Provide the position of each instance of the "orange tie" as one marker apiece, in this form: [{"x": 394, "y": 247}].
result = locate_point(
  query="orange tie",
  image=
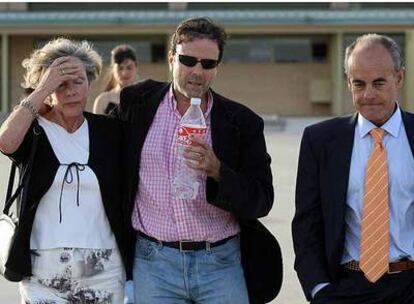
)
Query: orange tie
[{"x": 375, "y": 221}]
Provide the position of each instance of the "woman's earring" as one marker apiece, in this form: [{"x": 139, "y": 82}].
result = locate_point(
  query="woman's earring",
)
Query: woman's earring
[{"x": 49, "y": 101}]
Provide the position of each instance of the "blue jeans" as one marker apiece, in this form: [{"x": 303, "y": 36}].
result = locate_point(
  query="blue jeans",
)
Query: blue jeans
[
  {"x": 167, "y": 275},
  {"x": 129, "y": 292}
]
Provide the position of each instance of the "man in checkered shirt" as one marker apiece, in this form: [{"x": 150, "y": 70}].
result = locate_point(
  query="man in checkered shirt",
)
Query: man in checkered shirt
[{"x": 188, "y": 251}]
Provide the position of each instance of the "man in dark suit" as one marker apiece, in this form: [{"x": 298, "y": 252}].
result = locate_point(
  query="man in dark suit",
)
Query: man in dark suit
[
  {"x": 188, "y": 251},
  {"x": 353, "y": 230}
]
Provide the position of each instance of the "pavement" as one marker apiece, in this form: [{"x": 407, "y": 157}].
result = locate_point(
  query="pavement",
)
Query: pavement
[{"x": 283, "y": 138}]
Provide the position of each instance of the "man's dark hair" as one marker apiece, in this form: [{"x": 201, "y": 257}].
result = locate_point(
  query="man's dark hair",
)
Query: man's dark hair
[
  {"x": 198, "y": 28},
  {"x": 123, "y": 52}
]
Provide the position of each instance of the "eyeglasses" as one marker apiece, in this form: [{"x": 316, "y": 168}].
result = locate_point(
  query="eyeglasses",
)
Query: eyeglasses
[{"x": 191, "y": 61}]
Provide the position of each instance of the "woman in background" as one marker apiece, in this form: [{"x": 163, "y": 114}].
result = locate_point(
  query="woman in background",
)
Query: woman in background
[{"x": 123, "y": 73}]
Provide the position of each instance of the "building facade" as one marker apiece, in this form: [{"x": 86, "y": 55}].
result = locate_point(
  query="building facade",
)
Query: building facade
[{"x": 283, "y": 59}]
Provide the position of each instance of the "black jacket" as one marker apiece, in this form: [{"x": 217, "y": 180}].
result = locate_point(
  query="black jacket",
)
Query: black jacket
[
  {"x": 245, "y": 188},
  {"x": 321, "y": 188},
  {"x": 106, "y": 139}
]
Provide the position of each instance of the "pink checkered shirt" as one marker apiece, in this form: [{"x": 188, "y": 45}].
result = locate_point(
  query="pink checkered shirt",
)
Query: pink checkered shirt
[{"x": 156, "y": 212}]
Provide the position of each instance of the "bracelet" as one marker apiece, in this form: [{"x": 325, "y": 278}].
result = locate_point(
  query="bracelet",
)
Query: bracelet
[{"x": 26, "y": 103}]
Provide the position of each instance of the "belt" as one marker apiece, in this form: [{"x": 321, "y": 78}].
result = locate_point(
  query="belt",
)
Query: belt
[
  {"x": 394, "y": 267},
  {"x": 187, "y": 245}
]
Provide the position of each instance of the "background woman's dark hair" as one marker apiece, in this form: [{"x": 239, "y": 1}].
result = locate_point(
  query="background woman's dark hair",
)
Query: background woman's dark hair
[
  {"x": 199, "y": 28},
  {"x": 118, "y": 55}
]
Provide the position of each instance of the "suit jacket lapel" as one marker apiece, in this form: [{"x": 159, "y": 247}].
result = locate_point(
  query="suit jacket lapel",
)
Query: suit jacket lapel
[
  {"x": 338, "y": 162},
  {"x": 408, "y": 120},
  {"x": 216, "y": 119},
  {"x": 224, "y": 133}
]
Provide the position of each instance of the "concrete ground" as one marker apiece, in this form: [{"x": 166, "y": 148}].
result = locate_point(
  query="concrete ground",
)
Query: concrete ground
[{"x": 283, "y": 138}]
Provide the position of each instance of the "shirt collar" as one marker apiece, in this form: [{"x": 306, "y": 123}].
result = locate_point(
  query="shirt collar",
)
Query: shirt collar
[
  {"x": 392, "y": 126},
  {"x": 173, "y": 102}
]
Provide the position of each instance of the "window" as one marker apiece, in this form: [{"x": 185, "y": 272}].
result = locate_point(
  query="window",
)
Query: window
[
  {"x": 319, "y": 51},
  {"x": 147, "y": 51},
  {"x": 292, "y": 50},
  {"x": 280, "y": 49},
  {"x": 158, "y": 53}
]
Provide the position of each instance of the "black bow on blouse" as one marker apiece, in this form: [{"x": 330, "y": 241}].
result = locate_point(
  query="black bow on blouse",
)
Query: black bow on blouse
[{"x": 68, "y": 178}]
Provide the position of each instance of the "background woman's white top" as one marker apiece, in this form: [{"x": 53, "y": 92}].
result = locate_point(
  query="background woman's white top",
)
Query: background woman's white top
[{"x": 71, "y": 213}]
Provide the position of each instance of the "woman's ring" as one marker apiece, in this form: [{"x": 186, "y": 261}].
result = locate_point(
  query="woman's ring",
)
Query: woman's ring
[{"x": 62, "y": 72}]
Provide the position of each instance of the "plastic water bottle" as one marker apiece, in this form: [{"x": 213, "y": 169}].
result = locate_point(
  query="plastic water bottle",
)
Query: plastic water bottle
[{"x": 186, "y": 180}]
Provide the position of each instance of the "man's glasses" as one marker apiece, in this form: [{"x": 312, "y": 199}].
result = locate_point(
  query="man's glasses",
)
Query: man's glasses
[{"x": 191, "y": 61}]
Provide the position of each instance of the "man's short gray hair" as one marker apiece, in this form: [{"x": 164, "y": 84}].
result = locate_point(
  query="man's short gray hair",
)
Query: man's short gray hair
[
  {"x": 42, "y": 58},
  {"x": 374, "y": 39}
]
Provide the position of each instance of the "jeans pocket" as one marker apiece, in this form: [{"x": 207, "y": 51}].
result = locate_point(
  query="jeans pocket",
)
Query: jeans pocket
[
  {"x": 227, "y": 254},
  {"x": 144, "y": 250}
]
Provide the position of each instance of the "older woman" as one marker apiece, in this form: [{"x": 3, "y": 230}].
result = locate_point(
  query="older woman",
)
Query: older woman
[
  {"x": 124, "y": 66},
  {"x": 71, "y": 245}
]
